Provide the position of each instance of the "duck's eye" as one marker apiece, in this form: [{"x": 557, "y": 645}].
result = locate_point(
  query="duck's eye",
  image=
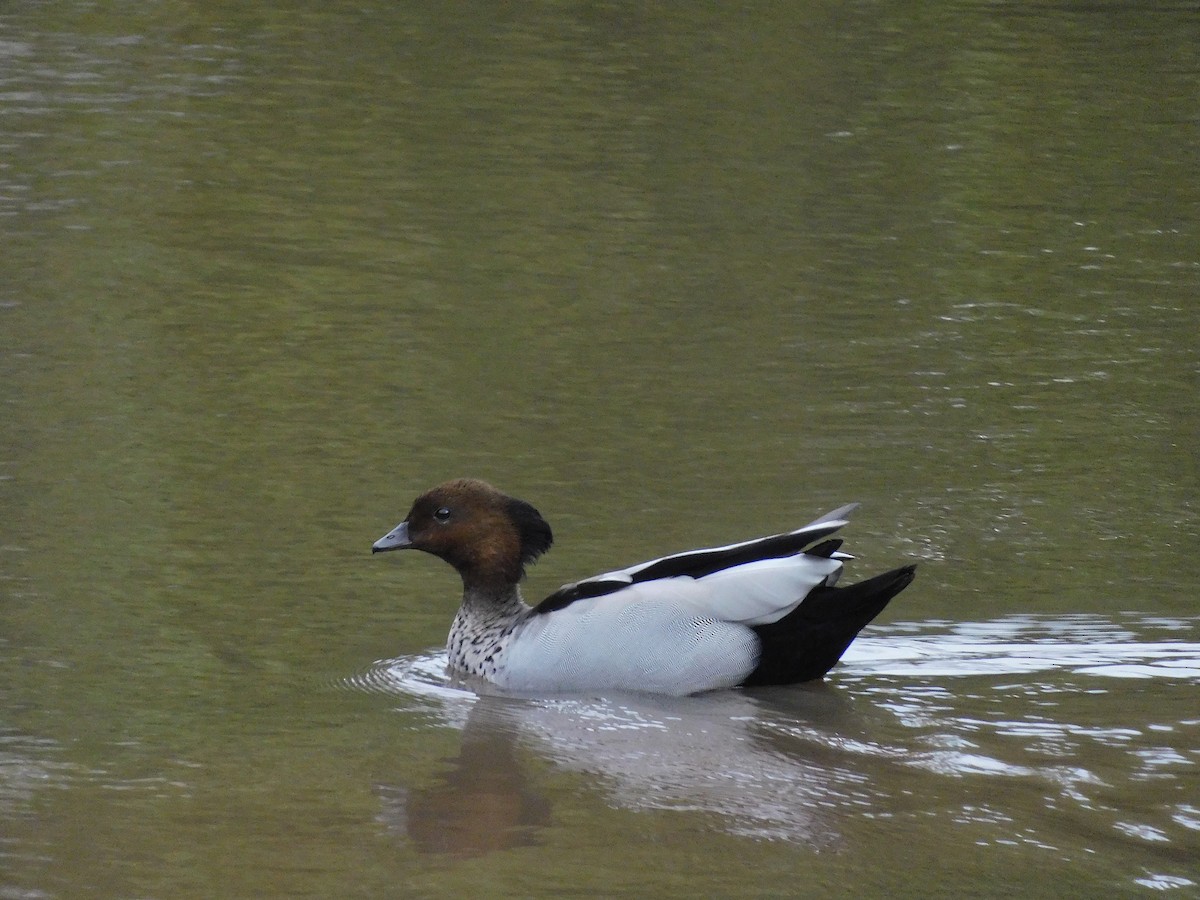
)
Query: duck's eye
[{"x": 442, "y": 514}]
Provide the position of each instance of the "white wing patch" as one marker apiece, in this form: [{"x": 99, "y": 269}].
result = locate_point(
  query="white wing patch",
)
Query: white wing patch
[{"x": 763, "y": 592}]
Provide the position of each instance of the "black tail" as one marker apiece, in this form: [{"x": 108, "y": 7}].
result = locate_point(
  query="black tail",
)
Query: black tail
[{"x": 808, "y": 641}]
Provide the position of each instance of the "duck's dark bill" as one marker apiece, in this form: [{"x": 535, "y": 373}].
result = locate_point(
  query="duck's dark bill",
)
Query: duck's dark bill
[{"x": 396, "y": 539}]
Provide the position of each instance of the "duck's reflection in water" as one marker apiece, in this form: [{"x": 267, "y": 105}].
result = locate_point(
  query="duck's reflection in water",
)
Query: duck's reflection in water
[
  {"x": 481, "y": 804},
  {"x": 717, "y": 754}
]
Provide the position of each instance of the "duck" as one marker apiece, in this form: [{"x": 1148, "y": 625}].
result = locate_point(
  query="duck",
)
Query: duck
[{"x": 761, "y": 612}]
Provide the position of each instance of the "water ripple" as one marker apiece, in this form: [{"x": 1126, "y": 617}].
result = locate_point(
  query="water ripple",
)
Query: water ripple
[{"x": 1023, "y": 645}]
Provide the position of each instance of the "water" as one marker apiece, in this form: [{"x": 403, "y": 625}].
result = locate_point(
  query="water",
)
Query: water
[{"x": 679, "y": 278}]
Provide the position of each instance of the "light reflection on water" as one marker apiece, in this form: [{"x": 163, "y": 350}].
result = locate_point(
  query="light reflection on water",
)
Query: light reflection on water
[
  {"x": 1090, "y": 645},
  {"x": 796, "y": 764}
]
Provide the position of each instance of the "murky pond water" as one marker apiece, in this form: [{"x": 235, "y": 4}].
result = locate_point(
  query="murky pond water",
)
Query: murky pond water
[{"x": 678, "y": 277}]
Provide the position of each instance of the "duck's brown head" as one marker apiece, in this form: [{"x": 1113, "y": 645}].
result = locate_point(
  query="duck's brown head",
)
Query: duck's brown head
[{"x": 488, "y": 536}]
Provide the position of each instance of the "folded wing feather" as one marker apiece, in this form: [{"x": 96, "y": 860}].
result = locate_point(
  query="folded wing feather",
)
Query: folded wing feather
[{"x": 704, "y": 563}]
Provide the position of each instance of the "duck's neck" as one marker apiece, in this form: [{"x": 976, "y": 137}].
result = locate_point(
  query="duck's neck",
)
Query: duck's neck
[
  {"x": 488, "y": 604},
  {"x": 482, "y": 627}
]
